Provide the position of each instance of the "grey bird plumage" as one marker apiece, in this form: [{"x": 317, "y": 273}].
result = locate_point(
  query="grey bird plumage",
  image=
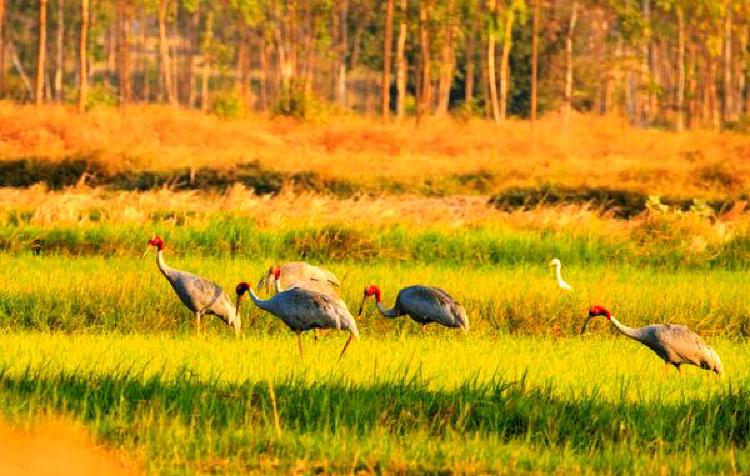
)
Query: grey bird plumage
[
  {"x": 674, "y": 344},
  {"x": 303, "y": 310},
  {"x": 424, "y": 304},
  {"x": 198, "y": 294}
]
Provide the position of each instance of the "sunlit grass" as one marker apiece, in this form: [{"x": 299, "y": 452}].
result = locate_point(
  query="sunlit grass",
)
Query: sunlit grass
[
  {"x": 366, "y": 152},
  {"x": 396, "y": 403}
]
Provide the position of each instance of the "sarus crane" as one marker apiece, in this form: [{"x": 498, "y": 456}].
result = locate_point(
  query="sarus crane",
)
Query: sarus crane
[
  {"x": 198, "y": 294},
  {"x": 303, "y": 275},
  {"x": 560, "y": 281},
  {"x": 424, "y": 304},
  {"x": 674, "y": 344},
  {"x": 302, "y": 310}
]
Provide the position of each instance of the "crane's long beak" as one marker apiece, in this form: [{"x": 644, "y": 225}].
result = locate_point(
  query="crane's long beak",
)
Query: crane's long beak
[
  {"x": 361, "y": 306},
  {"x": 148, "y": 248},
  {"x": 586, "y": 323},
  {"x": 237, "y": 305}
]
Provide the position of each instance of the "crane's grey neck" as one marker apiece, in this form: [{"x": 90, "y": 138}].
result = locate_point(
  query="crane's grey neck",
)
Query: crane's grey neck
[
  {"x": 387, "y": 312},
  {"x": 161, "y": 264},
  {"x": 628, "y": 331},
  {"x": 265, "y": 304}
]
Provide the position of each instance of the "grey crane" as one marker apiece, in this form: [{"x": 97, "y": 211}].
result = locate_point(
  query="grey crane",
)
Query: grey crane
[
  {"x": 674, "y": 344},
  {"x": 198, "y": 294},
  {"x": 302, "y": 310},
  {"x": 303, "y": 275},
  {"x": 424, "y": 304}
]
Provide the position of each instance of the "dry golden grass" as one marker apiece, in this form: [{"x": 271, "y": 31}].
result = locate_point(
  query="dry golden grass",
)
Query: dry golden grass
[
  {"x": 691, "y": 231},
  {"x": 591, "y": 151}
]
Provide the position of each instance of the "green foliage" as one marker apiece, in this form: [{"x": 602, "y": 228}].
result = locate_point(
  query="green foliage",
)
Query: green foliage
[
  {"x": 295, "y": 102},
  {"x": 228, "y": 105},
  {"x": 101, "y": 95}
]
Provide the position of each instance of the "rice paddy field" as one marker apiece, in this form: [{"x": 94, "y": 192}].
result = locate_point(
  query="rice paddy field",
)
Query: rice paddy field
[{"x": 92, "y": 335}]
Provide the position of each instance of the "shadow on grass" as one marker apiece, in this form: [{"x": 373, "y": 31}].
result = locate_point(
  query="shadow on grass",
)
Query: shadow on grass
[{"x": 506, "y": 410}]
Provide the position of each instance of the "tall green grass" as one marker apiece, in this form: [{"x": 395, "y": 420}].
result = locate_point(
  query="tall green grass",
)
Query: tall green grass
[
  {"x": 461, "y": 246},
  {"x": 129, "y": 295},
  {"x": 395, "y": 404}
]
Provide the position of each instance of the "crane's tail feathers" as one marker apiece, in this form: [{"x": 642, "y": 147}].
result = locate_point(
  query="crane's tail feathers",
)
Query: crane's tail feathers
[{"x": 716, "y": 364}]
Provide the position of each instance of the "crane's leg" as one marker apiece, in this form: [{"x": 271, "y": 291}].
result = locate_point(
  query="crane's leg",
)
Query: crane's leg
[
  {"x": 424, "y": 329},
  {"x": 198, "y": 316},
  {"x": 299, "y": 342},
  {"x": 315, "y": 335},
  {"x": 348, "y": 341}
]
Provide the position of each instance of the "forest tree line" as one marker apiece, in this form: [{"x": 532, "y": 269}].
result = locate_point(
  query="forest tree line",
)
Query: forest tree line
[{"x": 666, "y": 63}]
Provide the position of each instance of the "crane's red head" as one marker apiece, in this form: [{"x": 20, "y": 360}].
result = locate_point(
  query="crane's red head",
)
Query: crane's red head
[
  {"x": 599, "y": 311},
  {"x": 276, "y": 271},
  {"x": 242, "y": 288},
  {"x": 372, "y": 290},
  {"x": 156, "y": 241}
]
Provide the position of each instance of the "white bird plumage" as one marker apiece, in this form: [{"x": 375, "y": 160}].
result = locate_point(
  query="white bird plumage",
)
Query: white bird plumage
[{"x": 560, "y": 281}]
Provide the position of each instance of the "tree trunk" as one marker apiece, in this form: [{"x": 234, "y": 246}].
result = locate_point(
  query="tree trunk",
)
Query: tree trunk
[
  {"x": 39, "y": 85},
  {"x": 164, "y": 60},
  {"x": 343, "y": 52},
  {"x": 680, "y": 70},
  {"x": 123, "y": 51},
  {"x": 401, "y": 60},
  {"x": 82, "y": 56},
  {"x": 491, "y": 73},
  {"x": 2, "y": 47},
  {"x": 59, "y": 66},
  {"x": 425, "y": 7},
  {"x": 569, "y": 62},
  {"x": 534, "y": 58},
  {"x": 206, "y": 73},
  {"x": 387, "y": 47},
  {"x": 194, "y": 45},
  {"x": 263, "y": 59},
  {"x": 146, "y": 93},
  {"x": 471, "y": 38},
  {"x": 692, "y": 86},
  {"x": 505, "y": 63},
  {"x": 713, "y": 99},
  {"x": 728, "y": 109},
  {"x": 447, "y": 62}
]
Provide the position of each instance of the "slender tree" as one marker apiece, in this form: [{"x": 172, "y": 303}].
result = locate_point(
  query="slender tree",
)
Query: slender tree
[
  {"x": 425, "y": 13},
  {"x": 401, "y": 60},
  {"x": 447, "y": 59},
  {"x": 2, "y": 46},
  {"x": 680, "y": 68},
  {"x": 534, "y": 58},
  {"x": 387, "y": 48},
  {"x": 164, "y": 58},
  {"x": 510, "y": 15},
  {"x": 59, "y": 63},
  {"x": 491, "y": 70},
  {"x": 569, "y": 61},
  {"x": 206, "y": 72},
  {"x": 39, "y": 84},
  {"x": 83, "y": 56}
]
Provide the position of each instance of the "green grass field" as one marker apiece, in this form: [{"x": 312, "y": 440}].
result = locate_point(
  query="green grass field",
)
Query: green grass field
[
  {"x": 408, "y": 403},
  {"x": 91, "y": 331},
  {"x": 104, "y": 341}
]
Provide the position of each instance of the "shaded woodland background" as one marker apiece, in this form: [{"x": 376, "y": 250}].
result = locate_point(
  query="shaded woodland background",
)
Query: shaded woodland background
[{"x": 665, "y": 63}]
